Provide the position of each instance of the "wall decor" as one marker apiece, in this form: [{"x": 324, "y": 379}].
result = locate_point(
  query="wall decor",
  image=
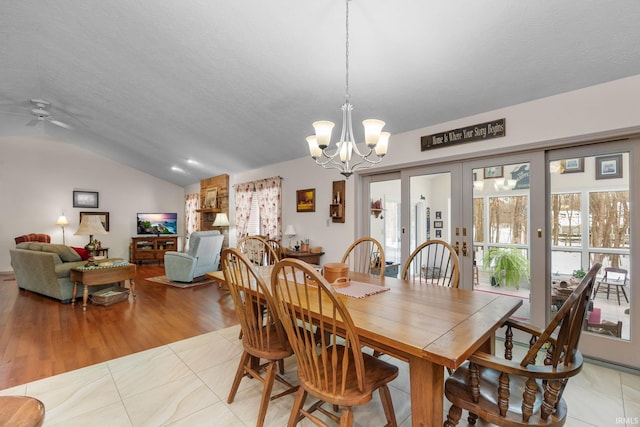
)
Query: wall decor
[
  {"x": 102, "y": 216},
  {"x": 478, "y": 132},
  {"x": 573, "y": 165},
  {"x": 493, "y": 172},
  {"x": 306, "y": 200},
  {"x": 438, "y": 234},
  {"x": 211, "y": 198},
  {"x": 438, "y": 224},
  {"x": 85, "y": 199},
  {"x": 608, "y": 167},
  {"x": 438, "y": 214}
]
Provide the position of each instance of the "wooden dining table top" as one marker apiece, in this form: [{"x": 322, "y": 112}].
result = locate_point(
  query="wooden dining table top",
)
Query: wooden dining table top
[{"x": 431, "y": 327}]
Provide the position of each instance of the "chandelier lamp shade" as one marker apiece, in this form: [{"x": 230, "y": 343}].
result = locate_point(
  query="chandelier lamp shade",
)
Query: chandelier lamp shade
[{"x": 346, "y": 156}]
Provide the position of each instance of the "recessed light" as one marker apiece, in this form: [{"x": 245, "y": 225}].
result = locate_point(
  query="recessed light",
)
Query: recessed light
[{"x": 177, "y": 169}]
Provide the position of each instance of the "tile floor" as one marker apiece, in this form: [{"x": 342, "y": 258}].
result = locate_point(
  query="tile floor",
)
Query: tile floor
[{"x": 186, "y": 384}]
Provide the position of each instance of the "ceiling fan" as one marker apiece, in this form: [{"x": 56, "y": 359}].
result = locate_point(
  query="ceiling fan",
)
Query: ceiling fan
[{"x": 41, "y": 113}]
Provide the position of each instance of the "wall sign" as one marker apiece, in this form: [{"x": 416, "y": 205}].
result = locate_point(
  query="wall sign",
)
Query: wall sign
[{"x": 482, "y": 131}]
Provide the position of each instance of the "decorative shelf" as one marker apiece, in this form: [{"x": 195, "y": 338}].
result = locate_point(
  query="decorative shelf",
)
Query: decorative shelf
[{"x": 209, "y": 210}]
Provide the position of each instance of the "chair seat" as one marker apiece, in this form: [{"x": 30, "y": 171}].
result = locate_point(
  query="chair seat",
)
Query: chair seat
[
  {"x": 270, "y": 348},
  {"x": 378, "y": 371},
  {"x": 21, "y": 411},
  {"x": 459, "y": 393}
]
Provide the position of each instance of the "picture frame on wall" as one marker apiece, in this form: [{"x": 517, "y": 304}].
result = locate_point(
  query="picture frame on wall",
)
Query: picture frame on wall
[
  {"x": 438, "y": 234},
  {"x": 493, "y": 172},
  {"x": 438, "y": 214},
  {"x": 306, "y": 200},
  {"x": 608, "y": 167},
  {"x": 85, "y": 199},
  {"x": 211, "y": 198},
  {"x": 102, "y": 216},
  {"x": 438, "y": 224},
  {"x": 573, "y": 165}
]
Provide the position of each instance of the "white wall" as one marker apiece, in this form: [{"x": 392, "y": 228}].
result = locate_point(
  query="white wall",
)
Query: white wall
[{"x": 38, "y": 176}]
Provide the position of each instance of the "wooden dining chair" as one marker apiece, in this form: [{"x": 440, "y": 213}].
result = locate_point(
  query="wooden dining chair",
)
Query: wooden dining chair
[
  {"x": 365, "y": 255},
  {"x": 507, "y": 393},
  {"x": 616, "y": 277},
  {"x": 258, "y": 250},
  {"x": 331, "y": 365},
  {"x": 434, "y": 262},
  {"x": 277, "y": 248},
  {"x": 22, "y": 411},
  {"x": 262, "y": 333}
]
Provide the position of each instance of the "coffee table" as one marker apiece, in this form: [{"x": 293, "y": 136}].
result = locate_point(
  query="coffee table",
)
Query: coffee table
[{"x": 92, "y": 276}]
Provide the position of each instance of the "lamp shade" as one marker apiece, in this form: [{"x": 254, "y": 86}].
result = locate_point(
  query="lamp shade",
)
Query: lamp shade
[
  {"x": 290, "y": 231},
  {"x": 221, "y": 220},
  {"x": 90, "y": 226},
  {"x": 62, "y": 221}
]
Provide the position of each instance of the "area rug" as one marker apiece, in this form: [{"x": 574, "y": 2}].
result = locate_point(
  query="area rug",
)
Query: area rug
[{"x": 198, "y": 281}]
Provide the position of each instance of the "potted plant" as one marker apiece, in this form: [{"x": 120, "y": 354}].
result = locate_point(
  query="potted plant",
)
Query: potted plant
[{"x": 509, "y": 266}]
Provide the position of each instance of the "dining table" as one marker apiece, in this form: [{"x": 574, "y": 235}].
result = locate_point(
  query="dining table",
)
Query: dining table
[{"x": 430, "y": 327}]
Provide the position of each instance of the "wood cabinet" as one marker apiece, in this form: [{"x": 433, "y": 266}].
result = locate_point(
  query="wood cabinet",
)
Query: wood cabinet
[
  {"x": 151, "y": 248},
  {"x": 336, "y": 208}
]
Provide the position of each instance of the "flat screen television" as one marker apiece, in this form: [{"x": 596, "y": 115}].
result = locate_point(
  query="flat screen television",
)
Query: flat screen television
[{"x": 157, "y": 223}]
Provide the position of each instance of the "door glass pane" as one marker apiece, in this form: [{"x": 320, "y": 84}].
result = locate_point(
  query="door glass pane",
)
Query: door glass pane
[
  {"x": 430, "y": 208},
  {"x": 501, "y": 232},
  {"x": 384, "y": 221},
  {"x": 595, "y": 188}
]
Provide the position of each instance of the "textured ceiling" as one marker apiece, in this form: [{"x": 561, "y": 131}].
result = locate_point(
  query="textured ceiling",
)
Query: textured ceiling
[{"x": 235, "y": 85}]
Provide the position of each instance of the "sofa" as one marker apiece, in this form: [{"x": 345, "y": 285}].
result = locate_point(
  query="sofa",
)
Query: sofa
[
  {"x": 44, "y": 268},
  {"x": 202, "y": 256}
]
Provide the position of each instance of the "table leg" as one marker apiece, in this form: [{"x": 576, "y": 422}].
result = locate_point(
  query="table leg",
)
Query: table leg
[
  {"x": 85, "y": 297},
  {"x": 73, "y": 293},
  {"x": 132, "y": 286},
  {"x": 427, "y": 392}
]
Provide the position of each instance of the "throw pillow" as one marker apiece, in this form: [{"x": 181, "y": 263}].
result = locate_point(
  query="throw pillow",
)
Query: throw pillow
[
  {"x": 84, "y": 254},
  {"x": 65, "y": 253}
]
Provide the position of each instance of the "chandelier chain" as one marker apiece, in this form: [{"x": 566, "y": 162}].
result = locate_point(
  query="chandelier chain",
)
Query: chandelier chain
[{"x": 347, "y": 96}]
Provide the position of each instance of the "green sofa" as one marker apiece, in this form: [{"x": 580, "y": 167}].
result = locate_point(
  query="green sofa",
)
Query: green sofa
[{"x": 44, "y": 268}]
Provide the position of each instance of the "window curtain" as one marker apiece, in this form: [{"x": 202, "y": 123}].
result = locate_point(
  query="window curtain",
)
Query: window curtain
[
  {"x": 270, "y": 205},
  {"x": 244, "y": 194},
  {"x": 190, "y": 216}
]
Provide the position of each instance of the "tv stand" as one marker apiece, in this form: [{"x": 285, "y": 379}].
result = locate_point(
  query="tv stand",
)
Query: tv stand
[{"x": 151, "y": 248}]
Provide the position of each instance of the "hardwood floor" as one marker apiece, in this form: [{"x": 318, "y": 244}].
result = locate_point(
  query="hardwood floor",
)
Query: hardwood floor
[{"x": 40, "y": 336}]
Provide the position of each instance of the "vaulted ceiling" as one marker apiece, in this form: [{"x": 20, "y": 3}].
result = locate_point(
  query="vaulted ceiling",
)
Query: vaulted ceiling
[{"x": 235, "y": 85}]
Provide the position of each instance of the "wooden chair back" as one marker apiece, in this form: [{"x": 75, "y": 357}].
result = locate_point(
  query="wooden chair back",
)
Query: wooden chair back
[
  {"x": 258, "y": 250},
  {"x": 253, "y": 303},
  {"x": 325, "y": 362},
  {"x": 434, "y": 262},
  {"x": 277, "y": 248},
  {"x": 566, "y": 326},
  {"x": 365, "y": 255}
]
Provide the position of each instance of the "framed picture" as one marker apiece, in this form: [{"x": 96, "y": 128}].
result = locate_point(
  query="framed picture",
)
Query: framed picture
[
  {"x": 573, "y": 165},
  {"x": 306, "y": 200},
  {"x": 102, "y": 216},
  {"x": 211, "y": 198},
  {"x": 438, "y": 224},
  {"x": 438, "y": 214},
  {"x": 493, "y": 172},
  {"x": 438, "y": 234},
  {"x": 85, "y": 199},
  {"x": 608, "y": 167}
]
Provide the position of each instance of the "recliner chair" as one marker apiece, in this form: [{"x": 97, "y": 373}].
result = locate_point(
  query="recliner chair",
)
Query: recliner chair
[{"x": 202, "y": 256}]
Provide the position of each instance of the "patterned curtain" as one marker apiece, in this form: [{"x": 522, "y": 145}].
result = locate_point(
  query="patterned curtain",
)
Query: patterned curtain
[
  {"x": 269, "y": 203},
  {"x": 244, "y": 193},
  {"x": 190, "y": 215}
]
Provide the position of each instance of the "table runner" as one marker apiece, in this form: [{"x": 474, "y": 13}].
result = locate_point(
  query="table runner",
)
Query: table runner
[{"x": 360, "y": 289}]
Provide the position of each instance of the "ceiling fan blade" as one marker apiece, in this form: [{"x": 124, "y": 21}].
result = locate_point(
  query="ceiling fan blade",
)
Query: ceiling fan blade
[
  {"x": 33, "y": 122},
  {"x": 59, "y": 123}
]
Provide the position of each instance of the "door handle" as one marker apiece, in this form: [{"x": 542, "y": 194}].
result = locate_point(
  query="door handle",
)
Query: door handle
[
  {"x": 464, "y": 249},
  {"x": 456, "y": 248}
]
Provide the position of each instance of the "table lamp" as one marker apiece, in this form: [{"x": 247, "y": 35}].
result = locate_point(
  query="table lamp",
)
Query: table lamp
[
  {"x": 221, "y": 220},
  {"x": 62, "y": 221},
  {"x": 90, "y": 226},
  {"x": 290, "y": 231}
]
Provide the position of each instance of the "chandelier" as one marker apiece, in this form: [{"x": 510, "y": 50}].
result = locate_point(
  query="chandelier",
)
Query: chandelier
[{"x": 346, "y": 157}]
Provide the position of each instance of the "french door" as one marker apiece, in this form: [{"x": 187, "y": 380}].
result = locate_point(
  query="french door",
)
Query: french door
[{"x": 521, "y": 223}]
